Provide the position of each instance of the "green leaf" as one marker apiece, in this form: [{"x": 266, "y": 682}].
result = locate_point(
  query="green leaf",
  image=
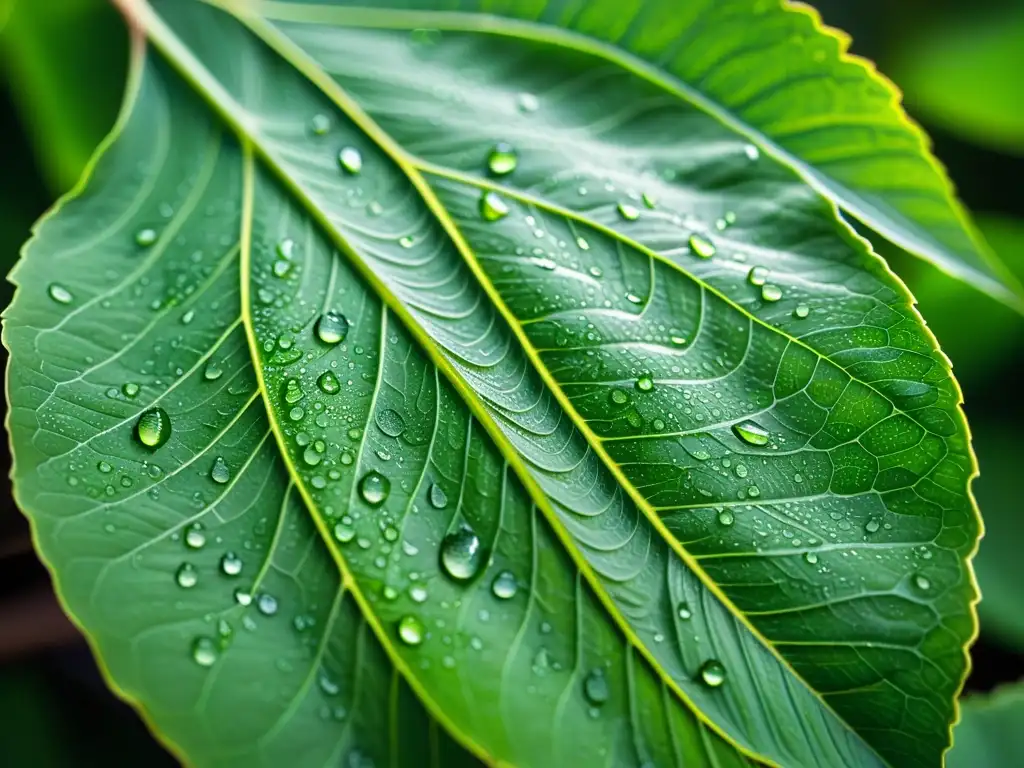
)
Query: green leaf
[
  {"x": 620, "y": 460},
  {"x": 989, "y": 732},
  {"x": 960, "y": 71}
]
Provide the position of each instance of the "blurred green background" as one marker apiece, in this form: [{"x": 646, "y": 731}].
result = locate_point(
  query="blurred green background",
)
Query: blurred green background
[{"x": 961, "y": 67}]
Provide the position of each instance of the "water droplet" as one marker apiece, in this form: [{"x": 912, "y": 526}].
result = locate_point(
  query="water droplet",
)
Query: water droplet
[
  {"x": 757, "y": 275},
  {"x": 343, "y": 530},
  {"x": 771, "y": 292},
  {"x": 527, "y": 102},
  {"x": 230, "y": 564},
  {"x": 195, "y": 537},
  {"x": 374, "y": 488},
  {"x": 153, "y": 428},
  {"x": 726, "y": 518},
  {"x": 628, "y": 212},
  {"x": 502, "y": 160},
  {"x": 645, "y": 383},
  {"x": 922, "y": 582},
  {"x": 811, "y": 558},
  {"x": 871, "y": 526},
  {"x": 205, "y": 651},
  {"x": 712, "y": 673},
  {"x": 293, "y": 391},
  {"x": 328, "y": 383},
  {"x": 266, "y": 604},
  {"x": 320, "y": 124},
  {"x": 583, "y": 245},
  {"x": 438, "y": 498},
  {"x": 410, "y": 630},
  {"x": 213, "y": 371},
  {"x": 462, "y": 554},
  {"x": 684, "y": 612},
  {"x": 390, "y": 422},
  {"x": 493, "y": 207},
  {"x": 130, "y": 390},
  {"x": 332, "y": 327},
  {"x": 751, "y": 433},
  {"x": 219, "y": 472},
  {"x": 418, "y": 593},
  {"x": 311, "y": 456},
  {"x": 60, "y": 294},
  {"x": 751, "y": 152},
  {"x": 650, "y": 200},
  {"x": 350, "y": 160},
  {"x": 187, "y": 576},
  {"x": 407, "y": 241},
  {"x": 701, "y": 246},
  {"x": 619, "y": 396},
  {"x": 595, "y": 687},
  {"x": 243, "y": 597},
  {"x": 679, "y": 341},
  {"x": 801, "y": 311},
  {"x": 145, "y": 237},
  {"x": 504, "y": 585}
]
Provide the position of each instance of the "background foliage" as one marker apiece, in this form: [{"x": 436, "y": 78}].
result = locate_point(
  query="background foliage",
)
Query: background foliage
[{"x": 62, "y": 64}]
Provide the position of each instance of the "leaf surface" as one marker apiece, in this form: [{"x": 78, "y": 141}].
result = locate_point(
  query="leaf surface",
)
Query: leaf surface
[
  {"x": 989, "y": 733},
  {"x": 580, "y": 466}
]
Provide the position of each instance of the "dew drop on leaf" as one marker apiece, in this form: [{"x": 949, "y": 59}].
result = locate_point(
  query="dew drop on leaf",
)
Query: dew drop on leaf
[
  {"x": 213, "y": 371},
  {"x": 410, "y": 630},
  {"x": 60, "y": 294},
  {"x": 801, "y": 311},
  {"x": 726, "y": 518},
  {"x": 104, "y": 467},
  {"x": 595, "y": 687},
  {"x": 645, "y": 383},
  {"x": 332, "y": 327},
  {"x": 195, "y": 537},
  {"x": 504, "y": 586},
  {"x": 187, "y": 576},
  {"x": 286, "y": 248},
  {"x": 811, "y": 558},
  {"x": 350, "y": 160},
  {"x": 751, "y": 152},
  {"x": 757, "y": 275},
  {"x": 230, "y": 564},
  {"x": 628, "y": 212},
  {"x": 461, "y": 553},
  {"x": 701, "y": 246},
  {"x": 390, "y": 422},
  {"x": 418, "y": 593},
  {"x": 619, "y": 396},
  {"x": 219, "y": 472},
  {"x": 320, "y": 124},
  {"x": 684, "y": 612},
  {"x": 153, "y": 428},
  {"x": 145, "y": 237},
  {"x": 712, "y": 673},
  {"x": 771, "y": 292},
  {"x": 527, "y": 102},
  {"x": 502, "y": 159},
  {"x": 343, "y": 530},
  {"x": 266, "y": 604},
  {"x": 293, "y": 391},
  {"x": 243, "y": 597},
  {"x": 438, "y": 498},
  {"x": 649, "y": 200},
  {"x": 751, "y": 433},
  {"x": 374, "y": 488},
  {"x": 493, "y": 207},
  {"x": 328, "y": 383},
  {"x": 205, "y": 651},
  {"x": 130, "y": 389},
  {"x": 922, "y": 582},
  {"x": 407, "y": 241}
]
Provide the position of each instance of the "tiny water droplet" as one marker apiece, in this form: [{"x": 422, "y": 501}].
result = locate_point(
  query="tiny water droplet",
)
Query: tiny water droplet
[
  {"x": 332, "y": 327},
  {"x": 438, "y": 498},
  {"x": 771, "y": 292},
  {"x": 504, "y": 585},
  {"x": 390, "y": 422},
  {"x": 230, "y": 564},
  {"x": 503, "y": 159},
  {"x": 583, "y": 245},
  {"x": 410, "y": 630},
  {"x": 595, "y": 687},
  {"x": 350, "y": 160},
  {"x": 286, "y": 249},
  {"x": 751, "y": 433},
  {"x": 153, "y": 428},
  {"x": 266, "y": 604},
  {"x": 320, "y": 124},
  {"x": 219, "y": 472},
  {"x": 243, "y": 597},
  {"x": 628, "y": 212},
  {"x": 60, "y": 294},
  {"x": 374, "y": 488},
  {"x": 187, "y": 576},
  {"x": 701, "y": 246},
  {"x": 145, "y": 237},
  {"x": 205, "y": 651},
  {"x": 407, "y": 241},
  {"x": 757, "y": 275},
  {"x": 751, "y": 152},
  {"x": 493, "y": 207},
  {"x": 712, "y": 673},
  {"x": 684, "y": 612},
  {"x": 104, "y": 467},
  {"x": 461, "y": 553},
  {"x": 418, "y": 593}
]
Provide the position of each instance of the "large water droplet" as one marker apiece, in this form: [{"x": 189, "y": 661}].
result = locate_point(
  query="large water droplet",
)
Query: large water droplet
[
  {"x": 343, "y": 530},
  {"x": 328, "y": 383},
  {"x": 801, "y": 311},
  {"x": 503, "y": 159},
  {"x": 645, "y": 383},
  {"x": 266, "y": 604},
  {"x": 922, "y": 582},
  {"x": 205, "y": 651},
  {"x": 712, "y": 673},
  {"x": 684, "y": 612},
  {"x": 219, "y": 472},
  {"x": 230, "y": 564},
  {"x": 60, "y": 294},
  {"x": 726, "y": 517},
  {"x": 293, "y": 391},
  {"x": 751, "y": 152},
  {"x": 438, "y": 498},
  {"x": 595, "y": 687},
  {"x": 751, "y": 433},
  {"x": 619, "y": 396},
  {"x": 701, "y": 246},
  {"x": 195, "y": 537},
  {"x": 213, "y": 371},
  {"x": 411, "y": 630},
  {"x": 390, "y": 422},
  {"x": 811, "y": 558},
  {"x": 374, "y": 488},
  {"x": 461, "y": 553},
  {"x": 504, "y": 585},
  {"x": 628, "y": 212},
  {"x": 145, "y": 237},
  {"x": 130, "y": 390},
  {"x": 187, "y": 576},
  {"x": 872, "y": 526},
  {"x": 332, "y": 327},
  {"x": 771, "y": 292},
  {"x": 493, "y": 207},
  {"x": 757, "y": 275},
  {"x": 153, "y": 428},
  {"x": 351, "y": 161}
]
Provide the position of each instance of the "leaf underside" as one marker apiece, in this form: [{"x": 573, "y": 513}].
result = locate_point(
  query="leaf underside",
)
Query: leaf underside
[{"x": 675, "y": 465}]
